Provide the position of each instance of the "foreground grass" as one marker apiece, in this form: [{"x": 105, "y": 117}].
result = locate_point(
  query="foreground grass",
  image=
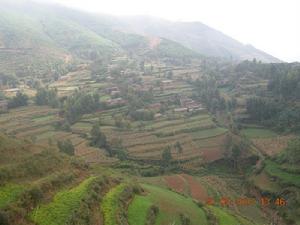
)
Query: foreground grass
[
  {"x": 138, "y": 209},
  {"x": 59, "y": 211},
  {"x": 171, "y": 205},
  {"x": 274, "y": 170},
  {"x": 9, "y": 193},
  {"x": 223, "y": 217},
  {"x": 110, "y": 204}
]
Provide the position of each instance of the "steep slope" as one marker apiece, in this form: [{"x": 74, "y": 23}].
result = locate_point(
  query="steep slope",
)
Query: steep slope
[
  {"x": 196, "y": 36},
  {"x": 38, "y": 40}
]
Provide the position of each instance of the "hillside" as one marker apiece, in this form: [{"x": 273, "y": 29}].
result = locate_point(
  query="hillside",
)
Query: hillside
[
  {"x": 38, "y": 39},
  {"x": 194, "y": 35}
]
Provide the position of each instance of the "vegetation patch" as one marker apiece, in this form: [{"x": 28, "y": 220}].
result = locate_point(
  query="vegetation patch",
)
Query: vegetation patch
[
  {"x": 59, "y": 211},
  {"x": 274, "y": 170},
  {"x": 110, "y": 204},
  {"x": 138, "y": 210},
  {"x": 9, "y": 193},
  {"x": 258, "y": 133},
  {"x": 172, "y": 205}
]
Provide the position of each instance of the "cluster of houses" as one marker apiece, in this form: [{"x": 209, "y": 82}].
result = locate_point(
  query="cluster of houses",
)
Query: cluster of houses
[
  {"x": 188, "y": 105},
  {"x": 114, "y": 92},
  {"x": 115, "y": 102}
]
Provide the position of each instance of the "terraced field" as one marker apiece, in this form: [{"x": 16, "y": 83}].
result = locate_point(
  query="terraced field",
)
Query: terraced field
[
  {"x": 198, "y": 136},
  {"x": 63, "y": 205}
]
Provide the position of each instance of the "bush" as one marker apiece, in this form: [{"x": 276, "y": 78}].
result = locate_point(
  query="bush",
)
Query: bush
[
  {"x": 19, "y": 100},
  {"x": 4, "y": 218}
]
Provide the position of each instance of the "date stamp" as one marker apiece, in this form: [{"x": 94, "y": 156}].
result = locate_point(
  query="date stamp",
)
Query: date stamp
[{"x": 245, "y": 201}]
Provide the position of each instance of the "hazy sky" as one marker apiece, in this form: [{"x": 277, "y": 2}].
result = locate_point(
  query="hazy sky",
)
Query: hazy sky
[{"x": 270, "y": 25}]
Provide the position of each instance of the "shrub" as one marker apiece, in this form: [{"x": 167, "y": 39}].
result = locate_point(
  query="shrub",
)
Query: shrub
[{"x": 4, "y": 218}]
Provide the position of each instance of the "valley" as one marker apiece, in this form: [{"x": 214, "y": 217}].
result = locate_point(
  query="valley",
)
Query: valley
[{"x": 104, "y": 127}]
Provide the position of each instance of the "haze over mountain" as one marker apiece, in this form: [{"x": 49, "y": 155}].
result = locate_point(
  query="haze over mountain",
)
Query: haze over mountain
[
  {"x": 51, "y": 33},
  {"x": 197, "y": 36}
]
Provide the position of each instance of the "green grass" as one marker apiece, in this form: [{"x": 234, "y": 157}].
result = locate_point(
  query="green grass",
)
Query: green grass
[
  {"x": 223, "y": 217},
  {"x": 44, "y": 118},
  {"x": 258, "y": 133},
  {"x": 274, "y": 170},
  {"x": 9, "y": 193},
  {"x": 63, "y": 205},
  {"x": 110, "y": 204},
  {"x": 138, "y": 209},
  {"x": 172, "y": 204},
  {"x": 208, "y": 133}
]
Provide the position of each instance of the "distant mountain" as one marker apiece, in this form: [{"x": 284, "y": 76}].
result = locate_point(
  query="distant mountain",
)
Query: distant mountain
[
  {"x": 38, "y": 39},
  {"x": 194, "y": 35}
]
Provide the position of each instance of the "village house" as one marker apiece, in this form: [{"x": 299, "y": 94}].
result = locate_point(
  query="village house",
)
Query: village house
[
  {"x": 111, "y": 89},
  {"x": 115, "y": 102},
  {"x": 190, "y": 104},
  {"x": 154, "y": 107},
  {"x": 167, "y": 82},
  {"x": 179, "y": 110},
  {"x": 63, "y": 78}
]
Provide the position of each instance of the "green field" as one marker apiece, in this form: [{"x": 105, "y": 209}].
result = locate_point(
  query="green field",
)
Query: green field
[
  {"x": 9, "y": 193},
  {"x": 223, "y": 217},
  {"x": 258, "y": 133},
  {"x": 138, "y": 209},
  {"x": 286, "y": 178},
  {"x": 171, "y": 205},
  {"x": 63, "y": 205}
]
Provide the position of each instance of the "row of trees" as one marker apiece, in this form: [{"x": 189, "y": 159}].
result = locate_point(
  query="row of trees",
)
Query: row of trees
[
  {"x": 79, "y": 104},
  {"x": 208, "y": 92},
  {"x": 279, "y": 115},
  {"x": 46, "y": 96}
]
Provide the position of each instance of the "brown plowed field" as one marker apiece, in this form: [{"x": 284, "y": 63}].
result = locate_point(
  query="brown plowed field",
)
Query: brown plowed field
[{"x": 184, "y": 183}]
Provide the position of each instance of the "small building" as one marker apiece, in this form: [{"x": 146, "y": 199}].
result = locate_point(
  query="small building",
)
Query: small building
[
  {"x": 115, "y": 102},
  {"x": 166, "y": 82},
  {"x": 111, "y": 89},
  {"x": 115, "y": 93},
  {"x": 179, "y": 110},
  {"x": 190, "y": 104},
  {"x": 63, "y": 78},
  {"x": 3, "y": 106},
  {"x": 155, "y": 106},
  {"x": 157, "y": 115},
  {"x": 12, "y": 90}
]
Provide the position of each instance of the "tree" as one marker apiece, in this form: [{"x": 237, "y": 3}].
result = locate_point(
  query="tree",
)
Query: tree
[
  {"x": 292, "y": 153},
  {"x": 79, "y": 104},
  {"x": 166, "y": 155},
  {"x": 47, "y": 97},
  {"x": 19, "y": 100},
  {"x": 4, "y": 218},
  {"x": 66, "y": 147},
  {"x": 98, "y": 139},
  {"x": 178, "y": 147},
  {"x": 236, "y": 152}
]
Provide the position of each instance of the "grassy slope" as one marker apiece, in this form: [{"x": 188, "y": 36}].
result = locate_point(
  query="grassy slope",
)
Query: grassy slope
[
  {"x": 258, "y": 133},
  {"x": 138, "y": 209},
  {"x": 172, "y": 204},
  {"x": 9, "y": 193},
  {"x": 274, "y": 170},
  {"x": 60, "y": 209},
  {"x": 109, "y": 204}
]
